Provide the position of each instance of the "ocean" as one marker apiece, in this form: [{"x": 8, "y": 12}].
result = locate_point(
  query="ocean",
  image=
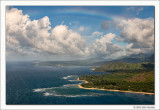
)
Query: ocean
[{"x": 30, "y": 84}]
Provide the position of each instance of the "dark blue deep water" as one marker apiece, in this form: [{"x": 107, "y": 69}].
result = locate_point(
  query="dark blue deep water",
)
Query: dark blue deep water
[{"x": 32, "y": 84}]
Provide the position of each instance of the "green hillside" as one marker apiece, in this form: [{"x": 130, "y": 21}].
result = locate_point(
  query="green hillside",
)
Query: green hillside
[{"x": 121, "y": 66}]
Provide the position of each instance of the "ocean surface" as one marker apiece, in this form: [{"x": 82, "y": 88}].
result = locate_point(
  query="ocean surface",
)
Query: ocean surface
[{"x": 27, "y": 83}]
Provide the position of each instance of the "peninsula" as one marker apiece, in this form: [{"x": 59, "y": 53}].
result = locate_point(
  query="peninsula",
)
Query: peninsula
[{"x": 125, "y": 77}]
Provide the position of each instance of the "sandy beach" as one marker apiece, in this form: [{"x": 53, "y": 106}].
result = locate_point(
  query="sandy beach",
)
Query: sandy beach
[{"x": 111, "y": 89}]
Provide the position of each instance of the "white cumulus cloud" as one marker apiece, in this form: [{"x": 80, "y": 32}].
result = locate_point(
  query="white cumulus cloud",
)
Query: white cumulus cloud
[
  {"x": 138, "y": 33},
  {"x": 26, "y": 37},
  {"x": 104, "y": 47},
  {"x": 96, "y": 33}
]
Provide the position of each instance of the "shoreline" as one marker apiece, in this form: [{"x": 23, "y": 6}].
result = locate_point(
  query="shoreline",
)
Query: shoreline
[
  {"x": 111, "y": 89},
  {"x": 82, "y": 80}
]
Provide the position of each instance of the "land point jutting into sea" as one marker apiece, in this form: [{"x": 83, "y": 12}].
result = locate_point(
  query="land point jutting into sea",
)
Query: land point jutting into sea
[
  {"x": 124, "y": 77},
  {"x": 80, "y": 55}
]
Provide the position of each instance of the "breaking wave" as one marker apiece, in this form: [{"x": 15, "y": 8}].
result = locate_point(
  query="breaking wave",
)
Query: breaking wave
[
  {"x": 41, "y": 89},
  {"x": 68, "y": 90},
  {"x": 70, "y": 77},
  {"x": 60, "y": 95},
  {"x": 68, "y": 85}
]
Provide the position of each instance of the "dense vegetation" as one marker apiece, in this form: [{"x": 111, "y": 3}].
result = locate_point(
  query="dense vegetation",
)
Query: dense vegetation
[{"x": 130, "y": 77}]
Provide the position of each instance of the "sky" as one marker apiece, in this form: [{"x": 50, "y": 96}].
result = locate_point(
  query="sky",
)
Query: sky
[{"x": 78, "y": 32}]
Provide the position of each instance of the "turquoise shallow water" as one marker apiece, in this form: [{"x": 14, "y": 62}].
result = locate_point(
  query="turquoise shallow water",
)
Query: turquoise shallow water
[{"x": 32, "y": 84}]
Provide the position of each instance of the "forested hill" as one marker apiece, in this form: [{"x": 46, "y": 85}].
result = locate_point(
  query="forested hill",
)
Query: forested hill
[{"x": 121, "y": 66}]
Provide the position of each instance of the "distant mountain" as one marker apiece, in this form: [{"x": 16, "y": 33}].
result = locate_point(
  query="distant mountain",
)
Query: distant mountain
[
  {"x": 136, "y": 58},
  {"x": 139, "y": 58}
]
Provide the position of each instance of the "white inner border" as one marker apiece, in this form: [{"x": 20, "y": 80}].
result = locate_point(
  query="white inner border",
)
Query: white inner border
[{"x": 79, "y": 3}]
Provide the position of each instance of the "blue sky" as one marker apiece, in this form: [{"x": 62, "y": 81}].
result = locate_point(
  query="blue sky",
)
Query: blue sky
[{"x": 88, "y": 19}]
